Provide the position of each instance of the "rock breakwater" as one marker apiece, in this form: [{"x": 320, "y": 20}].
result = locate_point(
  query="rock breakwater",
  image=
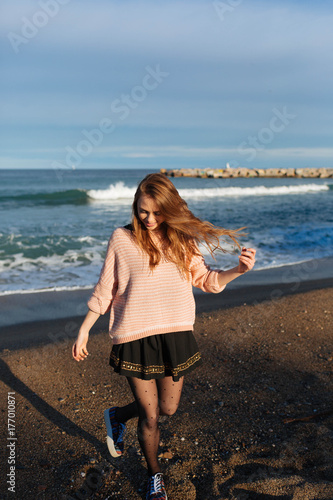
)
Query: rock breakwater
[{"x": 322, "y": 173}]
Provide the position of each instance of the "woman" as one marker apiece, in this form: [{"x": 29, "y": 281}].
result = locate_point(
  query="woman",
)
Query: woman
[{"x": 146, "y": 284}]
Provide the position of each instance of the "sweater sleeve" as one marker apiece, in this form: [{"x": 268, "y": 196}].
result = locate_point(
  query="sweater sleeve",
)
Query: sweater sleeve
[
  {"x": 204, "y": 277},
  {"x": 105, "y": 290}
]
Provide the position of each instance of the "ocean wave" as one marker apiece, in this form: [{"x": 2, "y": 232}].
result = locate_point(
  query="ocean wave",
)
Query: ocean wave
[
  {"x": 119, "y": 191},
  {"x": 43, "y": 290},
  {"x": 252, "y": 191},
  {"x": 70, "y": 196},
  {"x": 308, "y": 265},
  {"x": 116, "y": 191},
  {"x": 81, "y": 268}
]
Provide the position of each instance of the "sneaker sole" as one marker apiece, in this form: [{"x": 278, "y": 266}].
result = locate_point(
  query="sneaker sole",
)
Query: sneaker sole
[
  {"x": 109, "y": 439},
  {"x": 166, "y": 497}
]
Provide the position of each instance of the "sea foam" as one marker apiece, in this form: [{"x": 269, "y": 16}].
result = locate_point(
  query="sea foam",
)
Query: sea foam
[
  {"x": 114, "y": 192},
  {"x": 120, "y": 191}
]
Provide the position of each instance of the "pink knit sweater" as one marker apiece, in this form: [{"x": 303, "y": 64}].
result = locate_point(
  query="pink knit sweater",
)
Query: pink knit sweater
[{"x": 144, "y": 302}]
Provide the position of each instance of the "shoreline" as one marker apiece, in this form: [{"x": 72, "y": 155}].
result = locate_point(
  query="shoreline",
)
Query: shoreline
[
  {"x": 54, "y": 331},
  {"x": 52, "y": 317},
  {"x": 27, "y": 307}
]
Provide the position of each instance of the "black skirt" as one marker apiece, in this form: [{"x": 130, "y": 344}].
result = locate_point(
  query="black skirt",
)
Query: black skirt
[{"x": 157, "y": 356}]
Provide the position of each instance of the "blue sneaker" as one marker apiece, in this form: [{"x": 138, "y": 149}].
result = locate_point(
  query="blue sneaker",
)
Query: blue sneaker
[
  {"x": 156, "y": 488},
  {"x": 115, "y": 433}
]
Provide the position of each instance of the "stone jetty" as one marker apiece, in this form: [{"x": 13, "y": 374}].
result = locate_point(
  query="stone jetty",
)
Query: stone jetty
[{"x": 227, "y": 173}]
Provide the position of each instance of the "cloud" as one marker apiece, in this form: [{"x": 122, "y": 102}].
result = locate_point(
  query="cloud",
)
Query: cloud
[{"x": 225, "y": 75}]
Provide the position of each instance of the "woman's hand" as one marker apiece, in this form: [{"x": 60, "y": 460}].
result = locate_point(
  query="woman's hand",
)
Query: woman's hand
[
  {"x": 79, "y": 349},
  {"x": 246, "y": 260}
]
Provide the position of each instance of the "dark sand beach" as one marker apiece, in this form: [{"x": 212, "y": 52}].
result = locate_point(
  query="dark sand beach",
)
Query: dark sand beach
[{"x": 255, "y": 421}]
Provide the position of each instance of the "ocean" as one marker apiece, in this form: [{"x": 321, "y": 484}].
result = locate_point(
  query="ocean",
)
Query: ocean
[{"x": 55, "y": 226}]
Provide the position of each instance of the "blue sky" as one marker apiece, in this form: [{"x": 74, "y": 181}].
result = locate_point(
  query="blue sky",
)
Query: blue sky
[{"x": 113, "y": 84}]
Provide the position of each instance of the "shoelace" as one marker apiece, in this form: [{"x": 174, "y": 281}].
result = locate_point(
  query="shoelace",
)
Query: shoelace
[{"x": 156, "y": 483}]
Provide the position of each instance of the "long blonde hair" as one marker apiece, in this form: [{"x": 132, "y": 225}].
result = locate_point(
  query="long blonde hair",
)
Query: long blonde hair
[{"x": 183, "y": 231}]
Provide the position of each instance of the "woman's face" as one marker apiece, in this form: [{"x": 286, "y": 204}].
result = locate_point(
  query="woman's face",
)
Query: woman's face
[{"x": 149, "y": 213}]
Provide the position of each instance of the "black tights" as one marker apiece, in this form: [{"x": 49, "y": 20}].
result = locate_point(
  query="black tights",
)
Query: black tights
[{"x": 152, "y": 399}]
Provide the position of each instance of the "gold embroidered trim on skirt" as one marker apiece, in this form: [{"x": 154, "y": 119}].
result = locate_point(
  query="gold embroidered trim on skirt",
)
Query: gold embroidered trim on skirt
[{"x": 155, "y": 368}]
